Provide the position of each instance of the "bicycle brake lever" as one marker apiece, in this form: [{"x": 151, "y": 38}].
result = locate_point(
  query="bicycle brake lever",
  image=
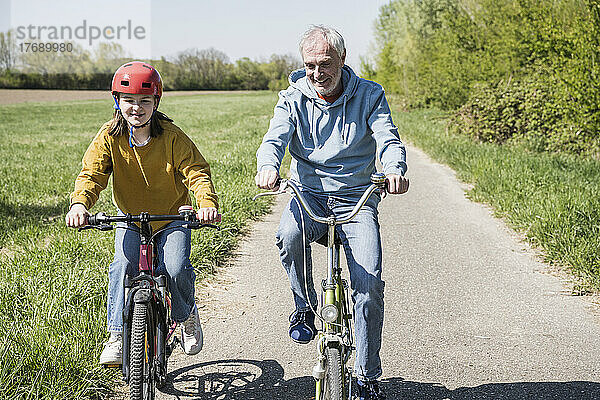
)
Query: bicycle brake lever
[
  {"x": 198, "y": 225},
  {"x": 103, "y": 227},
  {"x": 282, "y": 188}
]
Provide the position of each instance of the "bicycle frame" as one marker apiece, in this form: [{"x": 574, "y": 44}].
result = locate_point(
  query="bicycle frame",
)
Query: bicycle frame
[
  {"x": 151, "y": 290},
  {"x": 337, "y": 324},
  {"x": 335, "y": 293}
]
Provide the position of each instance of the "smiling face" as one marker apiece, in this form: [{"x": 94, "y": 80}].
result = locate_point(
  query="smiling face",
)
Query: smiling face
[
  {"x": 323, "y": 65},
  {"x": 136, "y": 108}
]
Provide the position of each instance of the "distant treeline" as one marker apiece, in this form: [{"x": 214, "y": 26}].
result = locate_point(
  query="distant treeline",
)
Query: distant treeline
[
  {"x": 207, "y": 69},
  {"x": 513, "y": 71}
]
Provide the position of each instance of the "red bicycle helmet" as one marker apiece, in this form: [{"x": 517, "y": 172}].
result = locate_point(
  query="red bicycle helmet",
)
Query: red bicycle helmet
[{"x": 137, "y": 77}]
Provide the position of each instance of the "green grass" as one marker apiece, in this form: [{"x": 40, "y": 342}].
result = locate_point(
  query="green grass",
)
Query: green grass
[
  {"x": 552, "y": 199},
  {"x": 53, "y": 279}
]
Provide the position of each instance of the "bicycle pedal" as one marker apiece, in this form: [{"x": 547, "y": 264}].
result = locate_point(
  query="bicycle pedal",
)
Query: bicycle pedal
[
  {"x": 171, "y": 346},
  {"x": 111, "y": 365}
]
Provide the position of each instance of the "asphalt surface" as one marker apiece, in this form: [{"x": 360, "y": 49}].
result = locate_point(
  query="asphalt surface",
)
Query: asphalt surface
[{"x": 471, "y": 312}]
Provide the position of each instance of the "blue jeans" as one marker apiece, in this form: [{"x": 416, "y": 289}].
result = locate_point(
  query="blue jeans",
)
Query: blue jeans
[
  {"x": 173, "y": 250},
  {"x": 362, "y": 246}
]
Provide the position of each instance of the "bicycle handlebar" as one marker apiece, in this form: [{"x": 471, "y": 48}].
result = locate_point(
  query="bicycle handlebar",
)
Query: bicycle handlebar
[
  {"x": 378, "y": 180},
  {"x": 103, "y": 222}
]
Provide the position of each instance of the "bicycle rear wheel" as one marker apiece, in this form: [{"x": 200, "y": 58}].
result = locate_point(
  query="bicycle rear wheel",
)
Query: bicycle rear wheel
[
  {"x": 141, "y": 355},
  {"x": 334, "y": 388}
]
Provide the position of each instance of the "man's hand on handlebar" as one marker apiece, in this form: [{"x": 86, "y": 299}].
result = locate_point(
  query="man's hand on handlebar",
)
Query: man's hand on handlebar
[
  {"x": 208, "y": 215},
  {"x": 77, "y": 216},
  {"x": 396, "y": 184},
  {"x": 267, "y": 179}
]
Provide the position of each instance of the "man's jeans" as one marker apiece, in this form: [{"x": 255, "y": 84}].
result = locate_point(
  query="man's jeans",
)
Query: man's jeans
[
  {"x": 173, "y": 250},
  {"x": 362, "y": 246}
]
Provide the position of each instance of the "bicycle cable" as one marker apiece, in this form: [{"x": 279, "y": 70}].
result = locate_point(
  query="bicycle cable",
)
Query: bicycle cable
[
  {"x": 306, "y": 268},
  {"x": 134, "y": 228},
  {"x": 304, "y": 260}
]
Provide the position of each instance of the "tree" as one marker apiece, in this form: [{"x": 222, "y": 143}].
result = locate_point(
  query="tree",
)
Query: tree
[
  {"x": 8, "y": 51},
  {"x": 249, "y": 75},
  {"x": 203, "y": 69},
  {"x": 278, "y": 69},
  {"x": 109, "y": 56}
]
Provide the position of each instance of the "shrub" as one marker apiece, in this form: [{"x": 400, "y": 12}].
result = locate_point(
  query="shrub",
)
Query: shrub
[{"x": 533, "y": 111}]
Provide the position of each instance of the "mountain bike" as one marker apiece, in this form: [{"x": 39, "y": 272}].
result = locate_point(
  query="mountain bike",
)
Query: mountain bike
[
  {"x": 333, "y": 377},
  {"x": 148, "y": 330}
]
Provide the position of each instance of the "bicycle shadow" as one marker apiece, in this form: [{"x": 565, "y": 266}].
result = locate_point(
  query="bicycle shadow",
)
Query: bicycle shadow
[
  {"x": 258, "y": 380},
  {"x": 237, "y": 379}
]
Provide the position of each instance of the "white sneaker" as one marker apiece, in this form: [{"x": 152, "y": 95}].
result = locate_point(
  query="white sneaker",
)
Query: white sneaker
[
  {"x": 113, "y": 350},
  {"x": 191, "y": 334}
]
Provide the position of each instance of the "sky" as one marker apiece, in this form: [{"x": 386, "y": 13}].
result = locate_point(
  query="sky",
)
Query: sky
[{"x": 158, "y": 28}]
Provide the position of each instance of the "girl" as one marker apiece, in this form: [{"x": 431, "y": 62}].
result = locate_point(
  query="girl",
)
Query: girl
[{"x": 153, "y": 164}]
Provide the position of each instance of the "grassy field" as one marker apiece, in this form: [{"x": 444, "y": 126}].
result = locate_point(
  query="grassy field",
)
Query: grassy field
[
  {"x": 552, "y": 199},
  {"x": 52, "y": 279}
]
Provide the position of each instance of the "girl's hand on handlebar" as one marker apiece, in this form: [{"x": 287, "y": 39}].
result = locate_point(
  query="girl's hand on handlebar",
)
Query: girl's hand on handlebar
[
  {"x": 77, "y": 216},
  {"x": 396, "y": 184},
  {"x": 267, "y": 179},
  {"x": 208, "y": 215}
]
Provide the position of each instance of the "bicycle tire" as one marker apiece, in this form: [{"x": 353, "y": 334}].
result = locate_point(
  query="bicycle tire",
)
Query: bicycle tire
[
  {"x": 141, "y": 355},
  {"x": 334, "y": 379}
]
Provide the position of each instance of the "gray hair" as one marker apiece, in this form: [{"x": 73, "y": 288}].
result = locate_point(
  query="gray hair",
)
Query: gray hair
[{"x": 332, "y": 36}]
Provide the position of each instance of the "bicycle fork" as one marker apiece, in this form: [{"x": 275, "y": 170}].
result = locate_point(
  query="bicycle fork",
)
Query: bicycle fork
[{"x": 142, "y": 293}]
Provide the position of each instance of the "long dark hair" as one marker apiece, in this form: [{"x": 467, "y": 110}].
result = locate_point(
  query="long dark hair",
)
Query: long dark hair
[{"x": 118, "y": 125}]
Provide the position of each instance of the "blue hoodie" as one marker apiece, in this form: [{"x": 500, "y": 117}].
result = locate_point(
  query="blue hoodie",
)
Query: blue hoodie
[{"x": 333, "y": 145}]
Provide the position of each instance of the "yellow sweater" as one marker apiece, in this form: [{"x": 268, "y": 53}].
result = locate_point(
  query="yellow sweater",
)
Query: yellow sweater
[{"x": 153, "y": 178}]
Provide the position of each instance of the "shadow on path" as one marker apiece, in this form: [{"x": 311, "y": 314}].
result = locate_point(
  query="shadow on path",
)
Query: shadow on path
[
  {"x": 397, "y": 388},
  {"x": 237, "y": 379},
  {"x": 259, "y": 380}
]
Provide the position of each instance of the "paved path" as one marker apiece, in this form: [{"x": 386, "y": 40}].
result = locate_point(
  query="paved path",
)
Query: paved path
[{"x": 470, "y": 312}]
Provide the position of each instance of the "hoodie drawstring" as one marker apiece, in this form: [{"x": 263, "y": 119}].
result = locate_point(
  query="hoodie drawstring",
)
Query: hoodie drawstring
[
  {"x": 313, "y": 131},
  {"x": 344, "y": 134}
]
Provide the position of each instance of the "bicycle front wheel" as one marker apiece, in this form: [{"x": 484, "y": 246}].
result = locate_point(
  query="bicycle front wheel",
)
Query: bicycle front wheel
[
  {"x": 334, "y": 378},
  {"x": 141, "y": 354}
]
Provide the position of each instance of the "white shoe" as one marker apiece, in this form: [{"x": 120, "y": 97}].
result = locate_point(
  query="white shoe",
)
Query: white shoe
[
  {"x": 113, "y": 350},
  {"x": 191, "y": 334}
]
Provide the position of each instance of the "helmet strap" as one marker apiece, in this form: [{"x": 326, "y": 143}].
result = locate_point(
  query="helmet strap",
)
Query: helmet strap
[
  {"x": 116, "y": 106},
  {"x": 137, "y": 127}
]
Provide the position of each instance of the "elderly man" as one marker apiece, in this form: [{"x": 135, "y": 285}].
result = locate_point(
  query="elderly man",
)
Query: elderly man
[{"x": 335, "y": 124}]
